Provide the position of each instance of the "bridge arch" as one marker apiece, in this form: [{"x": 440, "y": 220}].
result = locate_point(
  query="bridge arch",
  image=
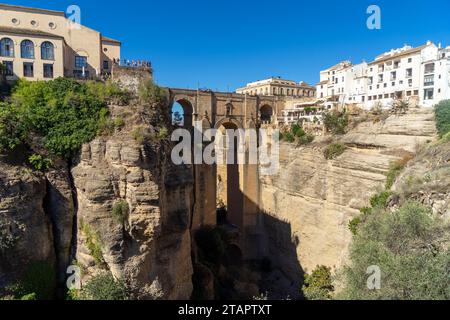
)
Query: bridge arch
[
  {"x": 266, "y": 113},
  {"x": 188, "y": 111}
]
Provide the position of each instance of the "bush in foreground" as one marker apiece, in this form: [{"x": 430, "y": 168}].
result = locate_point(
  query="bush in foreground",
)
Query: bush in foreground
[
  {"x": 407, "y": 247},
  {"x": 103, "y": 287},
  {"x": 442, "y": 112},
  {"x": 319, "y": 285}
]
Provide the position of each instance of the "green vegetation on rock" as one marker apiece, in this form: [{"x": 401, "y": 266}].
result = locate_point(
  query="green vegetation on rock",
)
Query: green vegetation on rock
[
  {"x": 120, "y": 211},
  {"x": 318, "y": 285},
  {"x": 296, "y": 134},
  {"x": 442, "y": 112},
  {"x": 407, "y": 246},
  {"x": 334, "y": 150},
  {"x": 336, "y": 122},
  {"x": 102, "y": 287},
  {"x": 93, "y": 243},
  {"x": 58, "y": 115}
]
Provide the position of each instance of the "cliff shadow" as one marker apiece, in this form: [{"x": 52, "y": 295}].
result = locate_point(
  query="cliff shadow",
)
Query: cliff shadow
[{"x": 282, "y": 273}]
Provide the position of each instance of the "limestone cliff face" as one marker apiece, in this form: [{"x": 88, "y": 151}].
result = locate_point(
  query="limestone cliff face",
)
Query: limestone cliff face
[
  {"x": 151, "y": 251},
  {"x": 317, "y": 198},
  {"x": 25, "y": 229},
  {"x": 66, "y": 214}
]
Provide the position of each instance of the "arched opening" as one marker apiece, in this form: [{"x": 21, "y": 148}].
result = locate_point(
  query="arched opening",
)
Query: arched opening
[
  {"x": 7, "y": 48},
  {"x": 182, "y": 111},
  {"x": 266, "y": 112},
  {"x": 229, "y": 194},
  {"x": 47, "y": 51},
  {"x": 27, "y": 49}
]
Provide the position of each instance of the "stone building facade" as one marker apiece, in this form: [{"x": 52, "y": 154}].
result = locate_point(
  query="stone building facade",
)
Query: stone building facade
[
  {"x": 40, "y": 44},
  {"x": 278, "y": 87}
]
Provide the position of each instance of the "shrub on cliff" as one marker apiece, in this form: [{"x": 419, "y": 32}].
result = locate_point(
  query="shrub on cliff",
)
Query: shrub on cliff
[
  {"x": 37, "y": 283},
  {"x": 297, "y": 134},
  {"x": 103, "y": 287},
  {"x": 442, "y": 112},
  {"x": 318, "y": 285},
  {"x": 334, "y": 150},
  {"x": 407, "y": 247},
  {"x": 151, "y": 93},
  {"x": 58, "y": 115},
  {"x": 120, "y": 211},
  {"x": 336, "y": 122}
]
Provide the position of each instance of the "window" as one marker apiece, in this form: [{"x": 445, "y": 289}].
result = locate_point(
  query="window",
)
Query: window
[
  {"x": 408, "y": 93},
  {"x": 385, "y": 85},
  {"x": 48, "y": 71},
  {"x": 386, "y": 95},
  {"x": 410, "y": 82},
  {"x": 380, "y": 96},
  {"x": 393, "y": 75},
  {"x": 429, "y": 80},
  {"x": 409, "y": 60},
  {"x": 428, "y": 94},
  {"x": 6, "y": 47},
  {"x": 409, "y": 73},
  {"x": 416, "y": 92},
  {"x": 47, "y": 51},
  {"x": 27, "y": 49},
  {"x": 9, "y": 68},
  {"x": 80, "y": 62},
  {"x": 370, "y": 98},
  {"x": 393, "y": 84},
  {"x": 28, "y": 69},
  {"x": 370, "y": 80},
  {"x": 429, "y": 68},
  {"x": 79, "y": 74},
  {"x": 380, "y": 78},
  {"x": 381, "y": 68}
]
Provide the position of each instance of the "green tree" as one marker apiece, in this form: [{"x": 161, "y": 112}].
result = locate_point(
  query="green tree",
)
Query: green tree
[
  {"x": 407, "y": 246},
  {"x": 319, "y": 285}
]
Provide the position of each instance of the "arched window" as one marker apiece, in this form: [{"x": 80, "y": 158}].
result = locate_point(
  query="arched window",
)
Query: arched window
[
  {"x": 6, "y": 47},
  {"x": 27, "y": 49},
  {"x": 281, "y": 91},
  {"x": 47, "y": 51}
]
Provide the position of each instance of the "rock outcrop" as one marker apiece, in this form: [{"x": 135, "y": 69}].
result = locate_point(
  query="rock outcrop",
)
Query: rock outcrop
[
  {"x": 66, "y": 215},
  {"x": 151, "y": 248},
  {"x": 25, "y": 229},
  {"x": 317, "y": 198}
]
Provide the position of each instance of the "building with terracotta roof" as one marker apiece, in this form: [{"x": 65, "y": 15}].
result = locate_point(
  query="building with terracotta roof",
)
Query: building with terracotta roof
[
  {"x": 418, "y": 75},
  {"x": 39, "y": 44}
]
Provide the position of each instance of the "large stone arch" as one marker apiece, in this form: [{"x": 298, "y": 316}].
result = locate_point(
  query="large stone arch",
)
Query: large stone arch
[
  {"x": 266, "y": 113},
  {"x": 188, "y": 108}
]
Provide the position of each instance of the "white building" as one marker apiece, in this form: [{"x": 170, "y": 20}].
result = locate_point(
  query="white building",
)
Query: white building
[{"x": 419, "y": 75}]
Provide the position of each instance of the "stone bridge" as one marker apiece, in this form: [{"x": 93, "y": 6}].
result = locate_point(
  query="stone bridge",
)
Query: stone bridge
[{"x": 236, "y": 186}]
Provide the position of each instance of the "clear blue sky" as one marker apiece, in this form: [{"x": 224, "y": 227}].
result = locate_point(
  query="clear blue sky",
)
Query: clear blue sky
[{"x": 223, "y": 44}]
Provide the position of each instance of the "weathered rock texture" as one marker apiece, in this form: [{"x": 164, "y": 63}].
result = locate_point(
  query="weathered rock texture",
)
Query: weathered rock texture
[
  {"x": 309, "y": 204},
  {"x": 427, "y": 180},
  {"x": 151, "y": 251},
  {"x": 25, "y": 230},
  {"x": 66, "y": 214}
]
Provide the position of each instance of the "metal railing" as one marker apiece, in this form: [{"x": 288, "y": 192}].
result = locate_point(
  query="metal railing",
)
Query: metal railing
[{"x": 132, "y": 63}]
